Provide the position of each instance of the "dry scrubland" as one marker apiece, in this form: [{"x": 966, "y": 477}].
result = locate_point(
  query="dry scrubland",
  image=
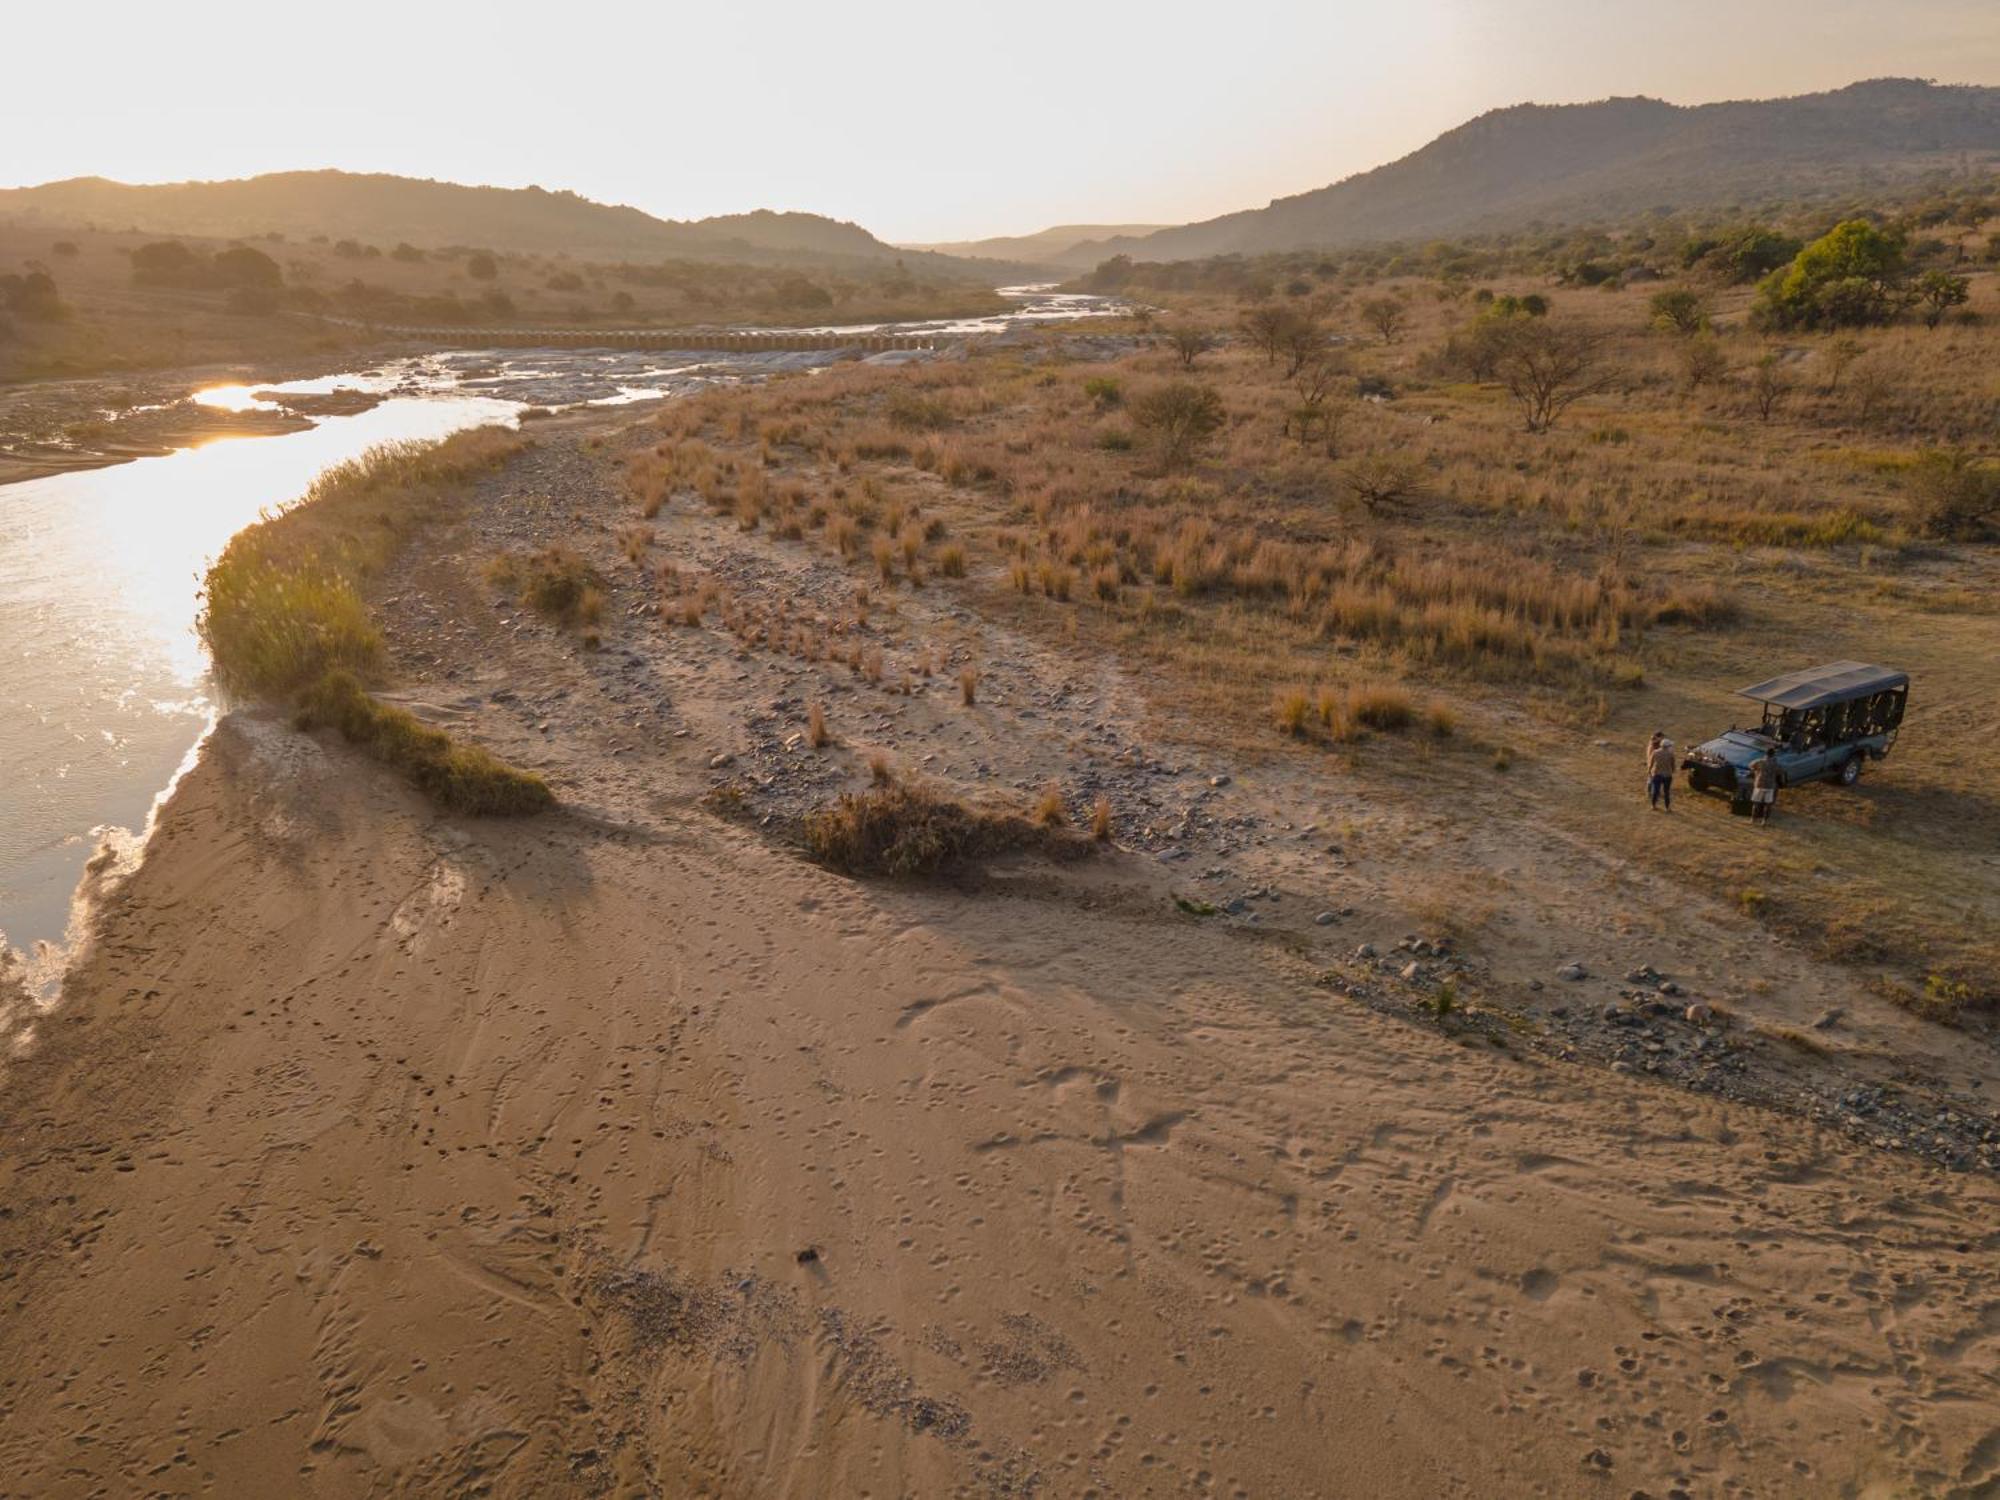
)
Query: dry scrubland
[
  {"x": 1388, "y": 569},
  {"x": 274, "y": 302},
  {"x": 624, "y": 1151}
]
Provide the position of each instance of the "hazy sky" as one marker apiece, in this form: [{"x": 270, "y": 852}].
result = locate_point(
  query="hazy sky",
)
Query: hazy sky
[{"x": 921, "y": 119}]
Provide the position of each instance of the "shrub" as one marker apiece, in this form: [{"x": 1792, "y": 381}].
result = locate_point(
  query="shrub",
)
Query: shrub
[
  {"x": 1104, "y": 391},
  {"x": 1293, "y": 710},
  {"x": 1679, "y": 309},
  {"x": 1182, "y": 416},
  {"x": 1953, "y": 494},
  {"x": 1385, "y": 708},
  {"x": 554, "y": 581},
  {"x": 910, "y": 829},
  {"x": 816, "y": 731}
]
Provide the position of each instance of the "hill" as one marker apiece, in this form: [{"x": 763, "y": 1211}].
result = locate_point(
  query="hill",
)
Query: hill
[
  {"x": 1047, "y": 247},
  {"x": 1582, "y": 162},
  {"x": 384, "y": 209}
]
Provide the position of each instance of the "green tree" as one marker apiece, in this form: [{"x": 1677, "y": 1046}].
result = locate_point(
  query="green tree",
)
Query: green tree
[
  {"x": 1849, "y": 276},
  {"x": 1679, "y": 309}
]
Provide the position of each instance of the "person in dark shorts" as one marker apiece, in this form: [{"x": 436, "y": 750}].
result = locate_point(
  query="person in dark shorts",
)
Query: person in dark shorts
[{"x": 1660, "y": 772}]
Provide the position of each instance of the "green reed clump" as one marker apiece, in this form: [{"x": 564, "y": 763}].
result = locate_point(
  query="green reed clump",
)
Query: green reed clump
[
  {"x": 282, "y": 605},
  {"x": 463, "y": 778},
  {"x": 284, "y": 621}
]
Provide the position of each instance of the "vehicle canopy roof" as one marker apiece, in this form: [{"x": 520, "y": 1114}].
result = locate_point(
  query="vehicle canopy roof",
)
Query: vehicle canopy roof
[{"x": 1836, "y": 682}]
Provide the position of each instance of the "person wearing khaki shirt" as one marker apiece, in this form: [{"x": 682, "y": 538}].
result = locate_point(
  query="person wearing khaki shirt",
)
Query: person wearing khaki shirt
[{"x": 1660, "y": 772}]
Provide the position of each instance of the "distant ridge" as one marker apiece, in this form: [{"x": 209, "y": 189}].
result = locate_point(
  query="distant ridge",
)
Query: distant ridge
[
  {"x": 1045, "y": 247},
  {"x": 1579, "y": 162},
  {"x": 381, "y": 209}
]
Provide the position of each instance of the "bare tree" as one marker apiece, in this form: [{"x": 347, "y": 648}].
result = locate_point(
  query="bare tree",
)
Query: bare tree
[
  {"x": 1547, "y": 367},
  {"x": 1837, "y": 356},
  {"x": 1388, "y": 316},
  {"x": 1767, "y": 386},
  {"x": 1302, "y": 338},
  {"x": 1189, "y": 343},
  {"x": 1316, "y": 383},
  {"x": 1383, "y": 482},
  {"x": 1869, "y": 386},
  {"x": 1264, "y": 325},
  {"x": 1703, "y": 361}
]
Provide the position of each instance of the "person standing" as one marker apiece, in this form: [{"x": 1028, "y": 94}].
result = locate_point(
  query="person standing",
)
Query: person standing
[
  {"x": 1660, "y": 772},
  {"x": 1763, "y": 786}
]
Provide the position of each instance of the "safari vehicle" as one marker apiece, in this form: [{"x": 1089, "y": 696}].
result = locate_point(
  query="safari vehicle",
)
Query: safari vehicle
[{"x": 1824, "y": 723}]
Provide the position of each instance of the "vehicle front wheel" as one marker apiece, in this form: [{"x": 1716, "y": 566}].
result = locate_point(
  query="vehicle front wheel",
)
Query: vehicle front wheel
[{"x": 1850, "y": 769}]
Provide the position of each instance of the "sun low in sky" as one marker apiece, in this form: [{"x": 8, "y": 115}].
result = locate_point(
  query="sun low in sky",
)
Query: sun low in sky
[{"x": 921, "y": 121}]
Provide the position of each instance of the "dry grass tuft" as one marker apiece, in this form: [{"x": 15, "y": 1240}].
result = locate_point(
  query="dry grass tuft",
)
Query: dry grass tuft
[
  {"x": 1050, "y": 811},
  {"x": 1100, "y": 820}
]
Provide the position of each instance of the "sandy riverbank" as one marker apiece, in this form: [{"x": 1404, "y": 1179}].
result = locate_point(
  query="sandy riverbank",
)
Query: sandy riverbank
[{"x": 622, "y": 1152}]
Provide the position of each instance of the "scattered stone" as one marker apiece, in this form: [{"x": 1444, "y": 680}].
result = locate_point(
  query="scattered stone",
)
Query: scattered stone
[
  {"x": 1326, "y": 919},
  {"x": 1413, "y": 971},
  {"x": 717, "y": 761},
  {"x": 1366, "y": 950},
  {"x": 1572, "y": 972},
  {"x": 1828, "y": 1019},
  {"x": 1668, "y": 987},
  {"x": 1699, "y": 1014},
  {"x": 1219, "y": 779}
]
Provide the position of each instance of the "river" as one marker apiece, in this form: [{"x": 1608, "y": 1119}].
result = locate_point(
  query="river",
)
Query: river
[{"x": 104, "y": 687}]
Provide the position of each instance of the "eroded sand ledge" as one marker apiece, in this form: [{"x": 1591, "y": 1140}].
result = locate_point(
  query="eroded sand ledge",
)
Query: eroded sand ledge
[{"x": 374, "y": 1151}]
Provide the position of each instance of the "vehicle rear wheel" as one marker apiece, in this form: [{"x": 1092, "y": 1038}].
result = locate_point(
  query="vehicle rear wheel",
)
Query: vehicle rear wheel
[{"x": 1850, "y": 769}]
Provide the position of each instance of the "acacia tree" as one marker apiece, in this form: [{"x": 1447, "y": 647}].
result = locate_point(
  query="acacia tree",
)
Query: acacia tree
[
  {"x": 1189, "y": 343},
  {"x": 1547, "y": 367},
  {"x": 1388, "y": 316},
  {"x": 1940, "y": 292}
]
